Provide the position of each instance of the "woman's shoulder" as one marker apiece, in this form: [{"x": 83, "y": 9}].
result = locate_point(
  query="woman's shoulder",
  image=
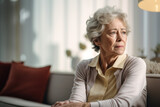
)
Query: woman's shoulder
[
  {"x": 83, "y": 67},
  {"x": 134, "y": 65},
  {"x": 85, "y": 62},
  {"x": 133, "y": 60}
]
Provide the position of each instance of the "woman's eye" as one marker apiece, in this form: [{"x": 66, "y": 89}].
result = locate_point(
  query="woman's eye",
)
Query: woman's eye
[
  {"x": 124, "y": 32},
  {"x": 112, "y": 33}
]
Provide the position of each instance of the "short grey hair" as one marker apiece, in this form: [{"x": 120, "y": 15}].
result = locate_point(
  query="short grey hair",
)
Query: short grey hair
[{"x": 103, "y": 16}]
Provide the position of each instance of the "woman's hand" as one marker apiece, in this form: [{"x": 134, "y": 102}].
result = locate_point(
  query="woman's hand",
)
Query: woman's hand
[
  {"x": 60, "y": 103},
  {"x": 70, "y": 104}
]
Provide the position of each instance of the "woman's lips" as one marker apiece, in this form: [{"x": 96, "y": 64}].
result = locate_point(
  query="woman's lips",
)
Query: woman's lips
[{"x": 120, "y": 46}]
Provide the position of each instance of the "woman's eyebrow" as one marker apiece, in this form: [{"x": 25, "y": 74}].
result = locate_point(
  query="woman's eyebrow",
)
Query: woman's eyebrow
[
  {"x": 111, "y": 29},
  {"x": 123, "y": 29},
  {"x": 116, "y": 29}
]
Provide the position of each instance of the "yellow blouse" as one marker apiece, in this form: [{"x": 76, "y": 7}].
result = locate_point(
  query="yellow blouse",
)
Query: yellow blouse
[{"x": 105, "y": 84}]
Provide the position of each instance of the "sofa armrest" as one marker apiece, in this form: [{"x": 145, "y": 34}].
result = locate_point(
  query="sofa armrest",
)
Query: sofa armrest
[
  {"x": 7, "y": 101},
  {"x": 153, "y": 90}
]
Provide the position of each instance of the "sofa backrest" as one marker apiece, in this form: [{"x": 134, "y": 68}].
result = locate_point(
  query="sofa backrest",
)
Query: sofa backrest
[
  {"x": 59, "y": 87},
  {"x": 153, "y": 90}
]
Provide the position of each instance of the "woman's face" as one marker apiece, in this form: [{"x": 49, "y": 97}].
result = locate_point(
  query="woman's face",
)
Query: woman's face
[{"x": 113, "y": 40}]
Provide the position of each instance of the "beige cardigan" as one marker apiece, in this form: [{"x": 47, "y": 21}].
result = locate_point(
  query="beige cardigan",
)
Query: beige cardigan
[{"x": 130, "y": 82}]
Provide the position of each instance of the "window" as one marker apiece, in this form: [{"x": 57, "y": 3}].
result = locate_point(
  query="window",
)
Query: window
[{"x": 40, "y": 31}]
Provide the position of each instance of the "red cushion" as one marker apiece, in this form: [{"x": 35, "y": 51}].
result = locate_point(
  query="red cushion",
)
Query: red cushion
[
  {"x": 4, "y": 72},
  {"x": 27, "y": 82}
]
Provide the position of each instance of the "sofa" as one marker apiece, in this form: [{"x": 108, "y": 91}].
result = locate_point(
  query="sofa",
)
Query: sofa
[
  {"x": 153, "y": 90},
  {"x": 59, "y": 89}
]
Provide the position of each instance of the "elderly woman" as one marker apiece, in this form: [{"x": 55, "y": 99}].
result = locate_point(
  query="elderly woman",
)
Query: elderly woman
[{"x": 113, "y": 78}]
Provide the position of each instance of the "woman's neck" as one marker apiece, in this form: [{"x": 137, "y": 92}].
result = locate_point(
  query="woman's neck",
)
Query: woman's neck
[{"x": 106, "y": 61}]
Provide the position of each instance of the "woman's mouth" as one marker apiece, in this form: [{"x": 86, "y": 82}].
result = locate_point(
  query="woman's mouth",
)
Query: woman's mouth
[{"x": 119, "y": 46}]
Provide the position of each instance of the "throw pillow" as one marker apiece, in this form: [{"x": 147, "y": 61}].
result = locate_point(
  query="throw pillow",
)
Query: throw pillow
[
  {"x": 4, "y": 72},
  {"x": 27, "y": 82}
]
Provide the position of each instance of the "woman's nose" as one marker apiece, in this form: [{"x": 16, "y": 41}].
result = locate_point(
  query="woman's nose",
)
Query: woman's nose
[{"x": 119, "y": 36}]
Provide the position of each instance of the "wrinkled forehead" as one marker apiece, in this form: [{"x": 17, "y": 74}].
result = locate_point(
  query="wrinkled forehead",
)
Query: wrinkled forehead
[{"x": 116, "y": 23}]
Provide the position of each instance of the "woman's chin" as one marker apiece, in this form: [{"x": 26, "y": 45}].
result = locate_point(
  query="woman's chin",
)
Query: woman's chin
[{"x": 119, "y": 52}]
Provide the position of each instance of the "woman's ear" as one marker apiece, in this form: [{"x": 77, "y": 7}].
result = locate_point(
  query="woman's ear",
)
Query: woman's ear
[{"x": 96, "y": 41}]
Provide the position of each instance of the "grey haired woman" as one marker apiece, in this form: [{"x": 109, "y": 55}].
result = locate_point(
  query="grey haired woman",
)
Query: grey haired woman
[{"x": 113, "y": 78}]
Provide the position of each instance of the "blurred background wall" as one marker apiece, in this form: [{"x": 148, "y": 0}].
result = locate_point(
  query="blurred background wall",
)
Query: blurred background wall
[{"x": 40, "y": 31}]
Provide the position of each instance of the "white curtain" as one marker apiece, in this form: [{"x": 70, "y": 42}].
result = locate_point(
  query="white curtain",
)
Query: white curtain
[
  {"x": 49, "y": 27},
  {"x": 61, "y": 25}
]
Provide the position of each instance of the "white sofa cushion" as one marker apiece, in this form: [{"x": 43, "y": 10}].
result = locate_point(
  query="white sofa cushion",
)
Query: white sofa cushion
[{"x": 20, "y": 102}]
